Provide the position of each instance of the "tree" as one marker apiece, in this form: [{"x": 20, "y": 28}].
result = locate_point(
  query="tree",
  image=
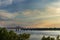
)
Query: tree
[
  {"x": 11, "y": 35},
  {"x": 43, "y": 38},
  {"x": 58, "y": 37},
  {"x": 52, "y": 38},
  {"x": 3, "y": 34},
  {"x": 24, "y": 36},
  {"x": 48, "y": 38}
]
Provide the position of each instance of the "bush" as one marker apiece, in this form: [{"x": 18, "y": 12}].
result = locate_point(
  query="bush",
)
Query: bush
[
  {"x": 11, "y": 35},
  {"x": 50, "y": 38},
  {"x": 24, "y": 36}
]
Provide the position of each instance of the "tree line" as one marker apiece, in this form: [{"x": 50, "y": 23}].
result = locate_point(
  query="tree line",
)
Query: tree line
[{"x": 11, "y": 35}]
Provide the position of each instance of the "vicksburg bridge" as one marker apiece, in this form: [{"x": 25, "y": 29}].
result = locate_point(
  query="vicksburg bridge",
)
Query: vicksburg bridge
[{"x": 17, "y": 28}]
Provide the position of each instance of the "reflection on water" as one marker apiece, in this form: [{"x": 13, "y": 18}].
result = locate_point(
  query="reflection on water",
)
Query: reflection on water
[{"x": 37, "y": 35}]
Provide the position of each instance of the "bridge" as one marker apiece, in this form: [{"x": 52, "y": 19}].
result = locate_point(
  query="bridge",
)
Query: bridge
[{"x": 21, "y": 28}]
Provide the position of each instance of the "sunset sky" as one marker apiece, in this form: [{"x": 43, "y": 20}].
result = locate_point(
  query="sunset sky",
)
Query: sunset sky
[{"x": 30, "y": 13}]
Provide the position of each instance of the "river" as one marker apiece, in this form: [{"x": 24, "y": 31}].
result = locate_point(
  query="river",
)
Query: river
[{"x": 37, "y": 35}]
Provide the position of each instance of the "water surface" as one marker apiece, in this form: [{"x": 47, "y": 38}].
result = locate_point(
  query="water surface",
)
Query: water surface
[{"x": 37, "y": 35}]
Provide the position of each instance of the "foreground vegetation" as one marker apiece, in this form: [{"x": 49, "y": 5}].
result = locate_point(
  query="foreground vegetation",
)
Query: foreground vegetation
[
  {"x": 11, "y": 35},
  {"x": 50, "y": 38}
]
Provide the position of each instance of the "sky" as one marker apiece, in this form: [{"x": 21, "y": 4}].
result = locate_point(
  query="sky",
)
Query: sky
[{"x": 30, "y": 13}]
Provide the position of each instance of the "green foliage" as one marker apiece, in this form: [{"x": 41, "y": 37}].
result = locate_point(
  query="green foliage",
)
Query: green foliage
[
  {"x": 50, "y": 38},
  {"x": 11, "y": 35},
  {"x": 43, "y": 38},
  {"x": 58, "y": 37},
  {"x": 24, "y": 36}
]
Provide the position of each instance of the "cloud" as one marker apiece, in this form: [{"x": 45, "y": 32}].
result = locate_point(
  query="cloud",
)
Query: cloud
[
  {"x": 19, "y": 0},
  {"x": 7, "y": 18},
  {"x": 50, "y": 17},
  {"x": 31, "y": 12},
  {"x": 33, "y": 18},
  {"x": 4, "y": 15},
  {"x": 53, "y": 8},
  {"x": 54, "y": 4},
  {"x": 5, "y": 2},
  {"x": 38, "y": 14}
]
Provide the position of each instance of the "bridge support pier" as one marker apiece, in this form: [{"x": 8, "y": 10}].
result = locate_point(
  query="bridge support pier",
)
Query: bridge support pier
[{"x": 17, "y": 29}]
